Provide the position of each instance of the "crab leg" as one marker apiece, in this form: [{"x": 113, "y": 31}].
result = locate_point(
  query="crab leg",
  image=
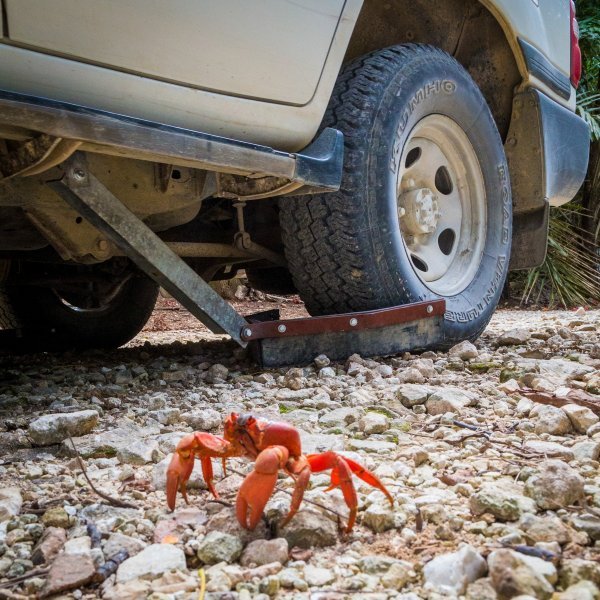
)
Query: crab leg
[
  {"x": 341, "y": 475},
  {"x": 258, "y": 486},
  {"x": 300, "y": 470},
  {"x": 368, "y": 477}
]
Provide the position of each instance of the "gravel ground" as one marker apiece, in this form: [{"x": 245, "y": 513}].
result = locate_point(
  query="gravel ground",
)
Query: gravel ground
[{"x": 495, "y": 496}]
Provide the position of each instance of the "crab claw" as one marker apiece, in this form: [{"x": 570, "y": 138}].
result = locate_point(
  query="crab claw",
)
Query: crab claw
[
  {"x": 179, "y": 471},
  {"x": 258, "y": 486}
]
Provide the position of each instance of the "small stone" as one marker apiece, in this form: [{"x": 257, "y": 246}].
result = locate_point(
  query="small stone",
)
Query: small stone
[
  {"x": 54, "y": 428},
  {"x": 545, "y": 529},
  {"x": 11, "y": 502},
  {"x": 376, "y": 446},
  {"x": 56, "y": 517},
  {"x": 374, "y": 422},
  {"x": 582, "y": 418},
  {"x": 78, "y": 545},
  {"x": 139, "y": 452},
  {"x": 511, "y": 576},
  {"x": 269, "y": 586},
  {"x": 151, "y": 562},
  {"x": 217, "y": 373},
  {"x": 511, "y": 387},
  {"x": 397, "y": 576},
  {"x": 217, "y": 579},
  {"x": 309, "y": 528},
  {"x": 322, "y": 361},
  {"x": 262, "y": 552},
  {"x": 424, "y": 366},
  {"x": 411, "y": 375},
  {"x": 449, "y": 400},
  {"x": 584, "y": 590},
  {"x": 380, "y": 518},
  {"x": 411, "y": 394},
  {"x": 166, "y": 416},
  {"x": 384, "y": 370},
  {"x": 524, "y": 407},
  {"x": 504, "y": 502},
  {"x": 574, "y": 570},
  {"x": 67, "y": 573},
  {"x": 451, "y": 573},
  {"x": 375, "y": 564},
  {"x": 264, "y": 378},
  {"x": 326, "y": 372},
  {"x": 117, "y": 542},
  {"x": 550, "y": 419},
  {"x": 554, "y": 484},
  {"x": 340, "y": 417},
  {"x": 540, "y": 566},
  {"x": 590, "y": 524},
  {"x": 464, "y": 350},
  {"x": 514, "y": 337},
  {"x": 549, "y": 449},
  {"x": 294, "y": 379},
  {"x": 290, "y": 578},
  {"x": 50, "y": 544},
  {"x": 225, "y": 521},
  {"x": 218, "y": 546},
  {"x": 317, "y": 576},
  {"x": 206, "y": 419},
  {"x": 586, "y": 450},
  {"x": 108, "y": 443},
  {"x": 482, "y": 589}
]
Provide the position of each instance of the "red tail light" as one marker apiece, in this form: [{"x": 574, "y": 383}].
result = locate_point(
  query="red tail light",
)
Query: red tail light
[{"x": 575, "y": 50}]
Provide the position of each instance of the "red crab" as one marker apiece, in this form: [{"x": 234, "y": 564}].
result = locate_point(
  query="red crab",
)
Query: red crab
[{"x": 272, "y": 445}]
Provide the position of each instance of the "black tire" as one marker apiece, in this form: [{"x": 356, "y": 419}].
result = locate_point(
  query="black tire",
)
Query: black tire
[
  {"x": 51, "y": 324},
  {"x": 345, "y": 250},
  {"x": 275, "y": 280}
]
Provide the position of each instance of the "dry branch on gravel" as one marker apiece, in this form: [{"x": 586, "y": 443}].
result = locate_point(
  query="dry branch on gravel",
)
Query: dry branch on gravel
[
  {"x": 110, "y": 499},
  {"x": 578, "y": 397}
]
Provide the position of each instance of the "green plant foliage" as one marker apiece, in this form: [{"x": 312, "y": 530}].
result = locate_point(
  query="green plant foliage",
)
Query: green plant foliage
[
  {"x": 569, "y": 275},
  {"x": 588, "y": 107},
  {"x": 588, "y": 95}
]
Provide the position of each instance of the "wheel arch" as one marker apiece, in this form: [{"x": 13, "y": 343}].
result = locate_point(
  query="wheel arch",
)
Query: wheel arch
[{"x": 467, "y": 29}]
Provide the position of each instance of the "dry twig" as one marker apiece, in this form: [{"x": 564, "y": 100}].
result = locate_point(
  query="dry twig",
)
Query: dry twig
[
  {"x": 110, "y": 499},
  {"x": 25, "y": 577}
]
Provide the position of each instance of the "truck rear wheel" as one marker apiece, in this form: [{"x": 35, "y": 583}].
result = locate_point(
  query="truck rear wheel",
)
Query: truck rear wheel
[
  {"x": 93, "y": 314},
  {"x": 424, "y": 209}
]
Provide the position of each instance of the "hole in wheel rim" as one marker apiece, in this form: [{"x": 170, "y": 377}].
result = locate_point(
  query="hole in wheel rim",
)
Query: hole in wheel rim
[
  {"x": 446, "y": 241},
  {"x": 412, "y": 157},
  {"x": 419, "y": 264},
  {"x": 443, "y": 183}
]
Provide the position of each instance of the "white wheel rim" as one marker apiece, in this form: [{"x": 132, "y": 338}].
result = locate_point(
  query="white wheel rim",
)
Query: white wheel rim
[{"x": 441, "y": 205}]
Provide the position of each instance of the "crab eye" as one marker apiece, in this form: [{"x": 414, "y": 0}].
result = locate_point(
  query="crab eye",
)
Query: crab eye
[{"x": 245, "y": 420}]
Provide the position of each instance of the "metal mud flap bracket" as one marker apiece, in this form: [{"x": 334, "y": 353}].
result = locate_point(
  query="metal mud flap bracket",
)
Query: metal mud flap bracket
[{"x": 370, "y": 333}]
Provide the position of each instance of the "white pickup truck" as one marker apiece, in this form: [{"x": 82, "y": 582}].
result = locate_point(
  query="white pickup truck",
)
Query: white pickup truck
[{"x": 364, "y": 153}]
